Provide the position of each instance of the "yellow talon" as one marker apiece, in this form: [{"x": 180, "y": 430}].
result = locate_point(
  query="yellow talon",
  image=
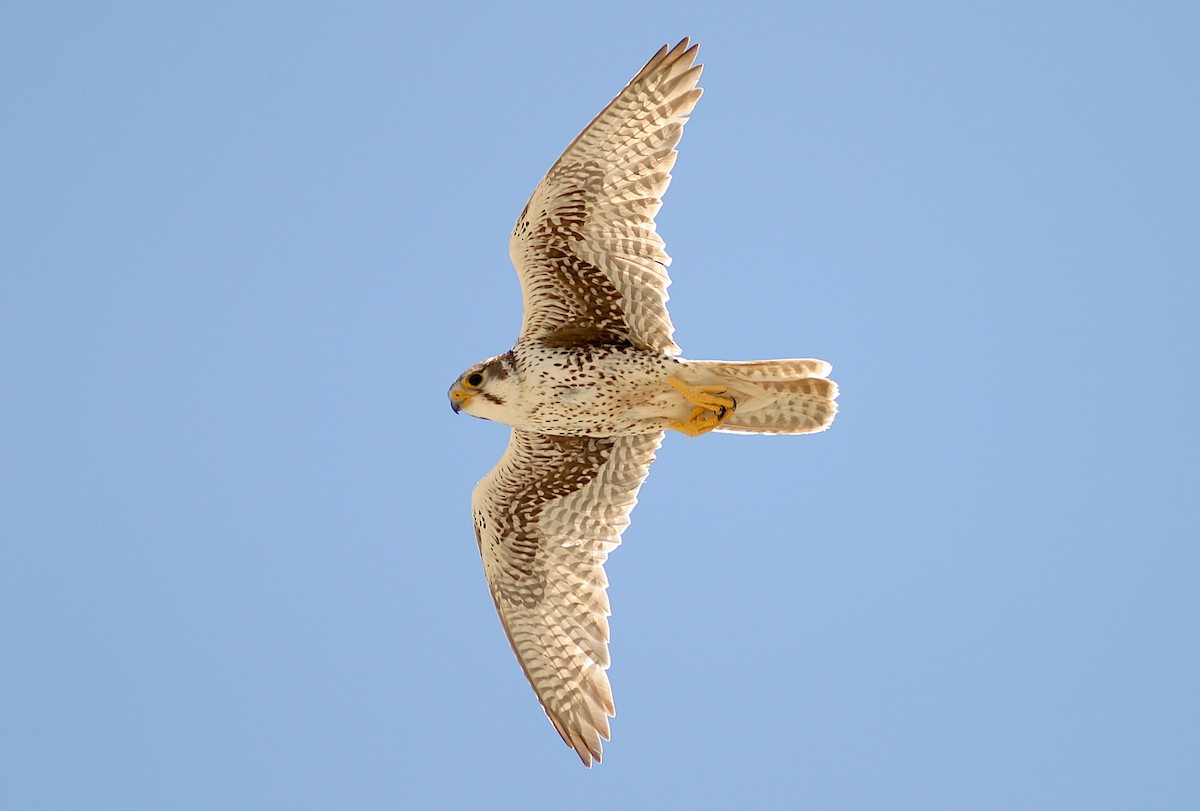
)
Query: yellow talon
[
  {"x": 710, "y": 409},
  {"x": 703, "y": 395}
]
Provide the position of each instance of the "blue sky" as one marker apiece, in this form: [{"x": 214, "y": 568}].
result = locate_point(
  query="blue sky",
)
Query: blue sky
[{"x": 245, "y": 248}]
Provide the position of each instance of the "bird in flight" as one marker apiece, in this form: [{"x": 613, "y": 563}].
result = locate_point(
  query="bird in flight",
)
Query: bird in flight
[{"x": 592, "y": 385}]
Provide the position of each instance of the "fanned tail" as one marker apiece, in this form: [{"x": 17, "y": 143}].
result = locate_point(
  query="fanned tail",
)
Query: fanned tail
[{"x": 788, "y": 396}]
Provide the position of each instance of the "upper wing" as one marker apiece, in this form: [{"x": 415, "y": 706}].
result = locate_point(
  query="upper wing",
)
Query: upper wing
[
  {"x": 585, "y": 247},
  {"x": 546, "y": 518}
]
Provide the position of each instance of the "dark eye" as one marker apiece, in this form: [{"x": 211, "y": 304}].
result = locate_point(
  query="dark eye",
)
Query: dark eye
[{"x": 475, "y": 380}]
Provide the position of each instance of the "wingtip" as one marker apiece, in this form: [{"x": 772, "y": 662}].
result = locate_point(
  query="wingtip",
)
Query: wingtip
[
  {"x": 588, "y": 752},
  {"x": 586, "y": 756},
  {"x": 685, "y": 49},
  {"x": 685, "y": 44}
]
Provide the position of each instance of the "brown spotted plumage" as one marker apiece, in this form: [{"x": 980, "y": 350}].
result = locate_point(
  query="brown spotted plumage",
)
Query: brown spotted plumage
[{"x": 591, "y": 385}]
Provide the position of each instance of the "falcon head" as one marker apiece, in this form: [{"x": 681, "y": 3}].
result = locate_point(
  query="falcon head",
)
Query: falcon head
[{"x": 487, "y": 390}]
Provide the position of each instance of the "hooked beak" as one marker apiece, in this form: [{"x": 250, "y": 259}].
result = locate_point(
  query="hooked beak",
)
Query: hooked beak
[{"x": 459, "y": 398}]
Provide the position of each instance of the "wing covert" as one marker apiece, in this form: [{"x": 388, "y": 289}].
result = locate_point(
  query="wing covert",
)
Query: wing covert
[
  {"x": 585, "y": 247},
  {"x": 546, "y": 518}
]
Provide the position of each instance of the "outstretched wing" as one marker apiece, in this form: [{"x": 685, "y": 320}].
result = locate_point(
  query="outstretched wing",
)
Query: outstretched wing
[
  {"x": 591, "y": 264},
  {"x": 546, "y": 518}
]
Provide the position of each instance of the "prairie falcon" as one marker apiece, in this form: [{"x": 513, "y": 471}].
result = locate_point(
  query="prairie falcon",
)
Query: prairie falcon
[{"x": 591, "y": 386}]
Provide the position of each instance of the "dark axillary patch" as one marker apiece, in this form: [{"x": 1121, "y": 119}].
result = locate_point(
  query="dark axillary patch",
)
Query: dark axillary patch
[
  {"x": 559, "y": 466},
  {"x": 578, "y": 335},
  {"x": 590, "y": 302},
  {"x": 589, "y": 305}
]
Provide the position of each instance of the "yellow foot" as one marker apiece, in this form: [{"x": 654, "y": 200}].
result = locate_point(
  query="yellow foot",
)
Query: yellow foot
[
  {"x": 710, "y": 409},
  {"x": 701, "y": 422}
]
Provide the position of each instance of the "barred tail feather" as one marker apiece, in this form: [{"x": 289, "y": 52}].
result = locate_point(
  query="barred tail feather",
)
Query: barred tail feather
[{"x": 789, "y": 396}]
